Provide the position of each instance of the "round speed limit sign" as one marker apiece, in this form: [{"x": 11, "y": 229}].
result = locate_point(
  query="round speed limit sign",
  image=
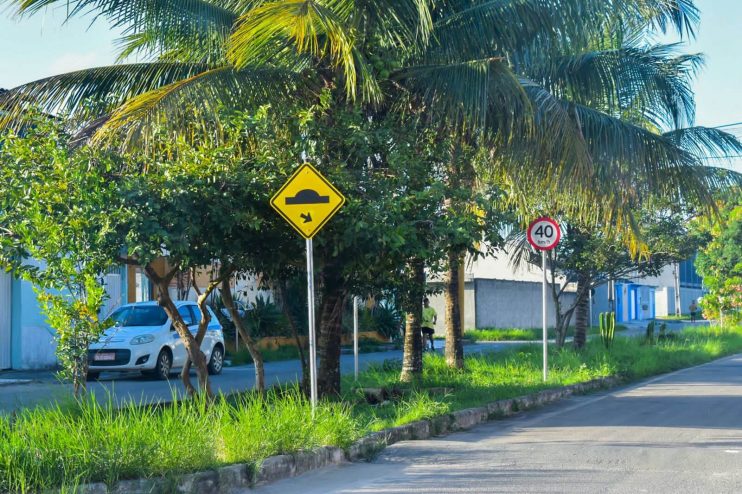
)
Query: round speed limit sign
[{"x": 544, "y": 233}]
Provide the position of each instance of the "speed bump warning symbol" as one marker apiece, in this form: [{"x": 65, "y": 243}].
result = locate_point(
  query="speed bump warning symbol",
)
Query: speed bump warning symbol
[{"x": 307, "y": 200}]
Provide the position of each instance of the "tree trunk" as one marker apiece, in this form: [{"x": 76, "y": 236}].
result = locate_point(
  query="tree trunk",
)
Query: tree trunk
[
  {"x": 581, "y": 323},
  {"x": 330, "y": 332},
  {"x": 412, "y": 360},
  {"x": 203, "y": 323},
  {"x": 561, "y": 329},
  {"x": 281, "y": 289},
  {"x": 562, "y": 319},
  {"x": 252, "y": 347},
  {"x": 454, "y": 331},
  {"x": 582, "y": 309},
  {"x": 192, "y": 347}
]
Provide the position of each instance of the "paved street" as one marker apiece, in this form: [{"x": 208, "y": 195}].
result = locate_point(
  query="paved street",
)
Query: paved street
[
  {"x": 678, "y": 433},
  {"x": 44, "y": 388}
]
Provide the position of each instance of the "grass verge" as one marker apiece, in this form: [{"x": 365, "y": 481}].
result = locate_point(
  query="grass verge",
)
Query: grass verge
[
  {"x": 291, "y": 352},
  {"x": 88, "y": 442},
  {"x": 518, "y": 334},
  {"x": 66, "y": 446}
]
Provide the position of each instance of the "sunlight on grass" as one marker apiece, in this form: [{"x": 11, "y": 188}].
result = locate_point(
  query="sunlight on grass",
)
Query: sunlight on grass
[{"x": 68, "y": 445}]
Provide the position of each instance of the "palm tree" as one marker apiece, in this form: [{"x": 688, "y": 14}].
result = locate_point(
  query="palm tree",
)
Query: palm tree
[{"x": 458, "y": 60}]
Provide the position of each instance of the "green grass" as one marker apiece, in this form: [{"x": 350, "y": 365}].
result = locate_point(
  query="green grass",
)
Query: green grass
[
  {"x": 519, "y": 334},
  {"x": 46, "y": 448},
  {"x": 675, "y": 318},
  {"x": 495, "y": 376}
]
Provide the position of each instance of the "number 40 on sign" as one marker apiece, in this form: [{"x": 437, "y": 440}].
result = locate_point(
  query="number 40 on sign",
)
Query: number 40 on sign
[{"x": 544, "y": 233}]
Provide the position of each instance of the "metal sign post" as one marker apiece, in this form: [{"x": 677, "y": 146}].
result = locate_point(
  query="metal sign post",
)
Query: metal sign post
[
  {"x": 311, "y": 319},
  {"x": 355, "y": 336},
  {"x": 307, "y": 201},
  {"x": 545, "y": 331},
  {"x": 544, "y": 234}
]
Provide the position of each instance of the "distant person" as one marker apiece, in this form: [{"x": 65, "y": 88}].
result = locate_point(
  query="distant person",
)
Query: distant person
[
  {"x": 430, "y": 317},
  {"x": 693, "y": 310}
]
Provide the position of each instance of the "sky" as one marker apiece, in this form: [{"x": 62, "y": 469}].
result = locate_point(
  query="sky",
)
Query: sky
[{"x": 43, "y": 45}]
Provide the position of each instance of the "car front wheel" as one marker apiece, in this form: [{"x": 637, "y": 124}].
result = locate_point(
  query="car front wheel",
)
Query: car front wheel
[
  {"x": 163, "y": 366},
  {"x": 216, "y": 362}
]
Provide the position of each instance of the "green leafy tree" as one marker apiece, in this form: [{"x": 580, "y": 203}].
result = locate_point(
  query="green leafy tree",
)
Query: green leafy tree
[
  {"x": 720, "y": 263},
  {"x": 41, "y": 182},
  {"x": 75, "y": 316}
]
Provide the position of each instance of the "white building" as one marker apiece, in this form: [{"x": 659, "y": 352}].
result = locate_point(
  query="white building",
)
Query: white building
[{"x": 497, "y": 295}]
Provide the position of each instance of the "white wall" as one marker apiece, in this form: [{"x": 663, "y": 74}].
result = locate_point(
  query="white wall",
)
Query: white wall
[
  {"x": 499, "y": 268},
  {"x": 35, "y": 340},
  {"x": 513, "y": 304},
  {"x": 438, "y": 302}
]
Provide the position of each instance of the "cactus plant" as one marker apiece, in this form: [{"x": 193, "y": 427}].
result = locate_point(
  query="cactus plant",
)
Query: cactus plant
[
  {"x": 607, "y": 322},
  {"x": 649, "y": 337},
  {"x": 663, "y": 332}
]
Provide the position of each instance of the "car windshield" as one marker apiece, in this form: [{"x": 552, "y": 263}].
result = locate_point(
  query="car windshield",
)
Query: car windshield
[{"x": 151, "y": 315}]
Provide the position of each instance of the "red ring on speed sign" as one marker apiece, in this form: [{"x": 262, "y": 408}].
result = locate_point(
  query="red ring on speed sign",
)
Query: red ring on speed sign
[{"x": 544, "y": 233}]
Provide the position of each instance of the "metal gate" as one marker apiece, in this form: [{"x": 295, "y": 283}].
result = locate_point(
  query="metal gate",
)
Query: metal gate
[
  {"x": 5, "y": 309},
  {"x": 112, "y": 282}
]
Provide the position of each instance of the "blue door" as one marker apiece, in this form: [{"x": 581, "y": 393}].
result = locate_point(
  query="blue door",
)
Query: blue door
[
  {"x": 619, "y": 302},
  {"x": 633, "y": 303}
]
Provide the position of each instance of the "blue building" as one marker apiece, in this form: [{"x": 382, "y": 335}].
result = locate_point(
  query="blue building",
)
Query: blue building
[
  {"x": 636, "y": 299},
  {"x": 26, "y": 340}
]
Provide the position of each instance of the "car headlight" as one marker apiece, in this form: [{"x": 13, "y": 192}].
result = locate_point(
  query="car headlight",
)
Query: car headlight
[{"x": 142, "y": 339}]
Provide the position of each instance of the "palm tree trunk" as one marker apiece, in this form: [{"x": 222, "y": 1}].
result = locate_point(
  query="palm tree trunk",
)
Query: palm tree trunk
[
  {"x": 412, "y": 360},
  {"x": 582, "y": 309},
  {"x": 454, "y": 331}
]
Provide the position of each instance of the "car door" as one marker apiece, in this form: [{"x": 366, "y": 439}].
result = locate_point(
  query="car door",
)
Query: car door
[{"x": 179, "y": 351}]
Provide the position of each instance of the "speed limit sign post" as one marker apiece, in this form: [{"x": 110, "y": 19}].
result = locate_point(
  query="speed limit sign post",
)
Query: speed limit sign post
[{"x": 544, "y": 234}]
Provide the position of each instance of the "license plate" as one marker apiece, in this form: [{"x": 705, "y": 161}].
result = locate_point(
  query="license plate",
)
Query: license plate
[{"x": 104, "y": 356}]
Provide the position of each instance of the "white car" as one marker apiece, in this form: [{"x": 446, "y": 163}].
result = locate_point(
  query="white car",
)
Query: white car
[{"x": 144, "y": 339}]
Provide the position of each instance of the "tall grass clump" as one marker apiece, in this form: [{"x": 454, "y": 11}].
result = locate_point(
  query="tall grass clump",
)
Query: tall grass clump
[
  {"x": 47, "y": 448},
  {"x": 257, "y": 427}
]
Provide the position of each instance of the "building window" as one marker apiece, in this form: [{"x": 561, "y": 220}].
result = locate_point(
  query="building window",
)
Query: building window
[{"x": 688, "y": 276}]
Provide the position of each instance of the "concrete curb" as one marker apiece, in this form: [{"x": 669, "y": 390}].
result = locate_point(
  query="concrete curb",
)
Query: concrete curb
[{"x": 235, "y": 478}]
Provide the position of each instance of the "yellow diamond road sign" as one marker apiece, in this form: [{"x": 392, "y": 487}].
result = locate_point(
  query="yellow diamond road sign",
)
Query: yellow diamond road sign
[{"x": 307, "y": 200}]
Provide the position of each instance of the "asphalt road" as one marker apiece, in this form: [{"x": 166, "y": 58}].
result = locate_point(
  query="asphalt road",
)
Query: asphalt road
[
  {"x": 45, "y": 389},
  {"x": 678, "y": 433},
  {"x": 42, "y": 387}
]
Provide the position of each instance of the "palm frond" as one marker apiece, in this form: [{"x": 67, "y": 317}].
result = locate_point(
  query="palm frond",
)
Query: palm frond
[
  {"x": 503, "y": 27},
  {"x": 199, "y": 100},
  {"x": 649, "y": 81},
  {"x": 404, "y": 24},
  {"x": 474, "y": 93},
  {"x": 307, "y": 26},
  {"x": 706, "y": 142},
  {"x": 196, "y": 15},
  {"x": 110, "y": 85}
]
